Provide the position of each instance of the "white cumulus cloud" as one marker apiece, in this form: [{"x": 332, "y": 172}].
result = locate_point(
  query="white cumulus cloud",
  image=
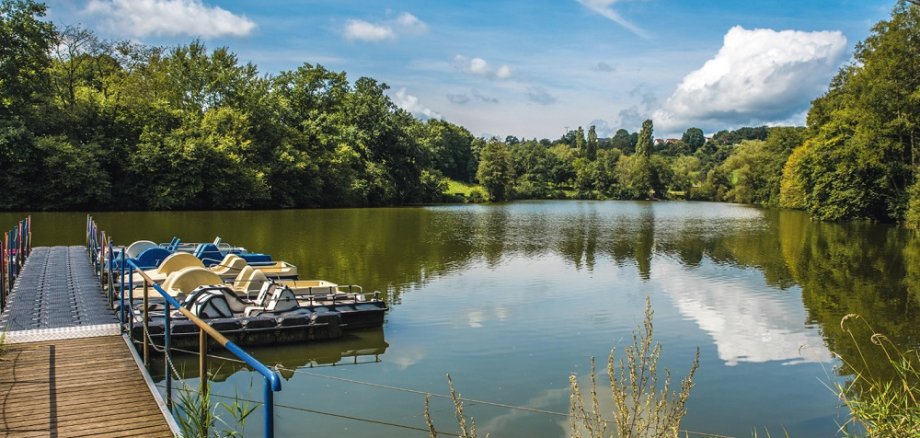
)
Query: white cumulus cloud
[
  {"x": 169, "y": 17},
  {"x": 361, "y": 30},
  {"x": 605, "y": 9},
  {"x": 364, "y": 31},
  {"x": 411, "y": 104},
  {"x": 480, "y": 67},
  {"x": 759, "y": 76}
]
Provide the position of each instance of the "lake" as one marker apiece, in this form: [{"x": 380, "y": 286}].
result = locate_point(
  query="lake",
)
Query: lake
[{"x": 511, "y": 299}]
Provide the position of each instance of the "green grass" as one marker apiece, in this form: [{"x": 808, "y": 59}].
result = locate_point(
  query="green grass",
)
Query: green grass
[{"x": 455, "y": 187}]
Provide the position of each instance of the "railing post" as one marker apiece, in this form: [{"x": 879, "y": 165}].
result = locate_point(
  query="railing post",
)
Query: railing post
[
  {"x": 122, "y": 286},
  {"x": 269, "y": 413},
  {"x": 146, "y": 325},
  {"x": 8, "y": 256},
  {"x": 166, "y": 346},
  {"x": 20, "y": 249},
  {"x": 130, "y": 294},
  {"x": 2, "y": 276},
  {"x": 203, "y": 372},
  {"x": 102, "y": 263}
]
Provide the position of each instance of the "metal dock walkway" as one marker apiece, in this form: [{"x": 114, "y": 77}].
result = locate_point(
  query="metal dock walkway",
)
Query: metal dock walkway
[{"x": 67, "y": 370}]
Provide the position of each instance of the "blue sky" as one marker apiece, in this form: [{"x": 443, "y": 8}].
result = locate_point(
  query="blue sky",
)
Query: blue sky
[{"x": 532, "y": 69}]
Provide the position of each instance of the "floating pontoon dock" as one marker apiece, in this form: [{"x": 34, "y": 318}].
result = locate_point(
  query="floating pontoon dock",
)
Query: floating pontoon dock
[{"x": 67, "y": 369}]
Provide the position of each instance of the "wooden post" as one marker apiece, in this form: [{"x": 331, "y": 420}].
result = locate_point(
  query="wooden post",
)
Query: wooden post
[
  {"x": 146, "y": 324},
  {"x": 203, "y": 372}
]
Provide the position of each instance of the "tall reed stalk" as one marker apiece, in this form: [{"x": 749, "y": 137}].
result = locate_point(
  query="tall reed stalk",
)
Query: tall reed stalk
[
  {"x": 883, "y": 401},
  {"x": 640, "y": 407}
]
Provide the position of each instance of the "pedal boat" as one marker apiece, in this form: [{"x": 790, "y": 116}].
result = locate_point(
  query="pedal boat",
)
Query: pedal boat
[
  {"x": 276, "y": 314},
  {"x": 228, "y": 269}
]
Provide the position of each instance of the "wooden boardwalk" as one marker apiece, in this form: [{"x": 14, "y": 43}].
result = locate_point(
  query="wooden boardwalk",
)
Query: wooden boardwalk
[{"x": 69, "y": 381}]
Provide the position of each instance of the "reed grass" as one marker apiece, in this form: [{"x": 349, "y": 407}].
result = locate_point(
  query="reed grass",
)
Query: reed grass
[
  {"x": 640, "y": 408},
  {"x": 457, "y": 400},
  {"x": 882, "y": 402},
  {"x": 198, "y": 418}
]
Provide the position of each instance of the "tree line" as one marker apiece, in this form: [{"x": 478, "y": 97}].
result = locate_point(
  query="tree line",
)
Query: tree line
[{"x": 91, "y": 123}]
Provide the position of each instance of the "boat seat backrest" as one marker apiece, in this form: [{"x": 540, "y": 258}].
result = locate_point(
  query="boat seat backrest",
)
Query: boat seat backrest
[
  {"x": 231, "y": 264},
  {"x": 265, "y": 293},
  {"x": 282, "y": 300},
  {"x": 177, "y": 261},
  {"x": 188, "y": 279},
  {"x": 254, "y": 282},
  {"x": 241, "y": 282},
  {"x": 135, "y": 249}
]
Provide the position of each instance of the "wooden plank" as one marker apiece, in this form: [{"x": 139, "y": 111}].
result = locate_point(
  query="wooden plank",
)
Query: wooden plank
[{"x": 76, "y": 387}]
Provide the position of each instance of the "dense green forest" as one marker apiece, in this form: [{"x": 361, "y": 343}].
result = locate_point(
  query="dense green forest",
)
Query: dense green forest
[{"x": 91, "y": 123}]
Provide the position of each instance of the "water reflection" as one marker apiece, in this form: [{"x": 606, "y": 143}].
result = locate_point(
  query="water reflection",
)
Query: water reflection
[
  {"x": 353, "y": 348},
  {"x": 746, "y": 324},
  {"x": 873, "y": 270},
  {"x": 758, "y": 284}
]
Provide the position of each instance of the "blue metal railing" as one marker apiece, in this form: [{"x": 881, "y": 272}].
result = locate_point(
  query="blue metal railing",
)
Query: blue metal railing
[{"x": 271, "y": 378}]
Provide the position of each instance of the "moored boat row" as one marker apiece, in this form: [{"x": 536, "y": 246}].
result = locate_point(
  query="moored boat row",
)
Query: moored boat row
[{"x": 252, "y": 301}]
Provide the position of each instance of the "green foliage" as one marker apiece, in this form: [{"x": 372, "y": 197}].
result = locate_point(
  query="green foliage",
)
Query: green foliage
[
  {"x": 534, "y": 166},
  {"x": 198, "y": 418},
  {"x": 25, "y": 41},
  {"x": 129, "y": 126},
  {"x": 580, "y": 140},
  {"x": 450, "y": 148},
  {"x": 645, "y": 143},
  {"x": 693, "y": 138},
  {"x": 634, "y": 174},
  {"x": 686, "y": 173},
  {"x": 624, "y": 141},
  {"x": 746, "y": 167},
  {"x": 591, "y": 147},
  {"x": 660, "y": 176},
  {"x": 863, "y": 134},
  {"x": 912, "y": 217},
  {"x": 119, "y": 125},
  {"x": 587, "y": 174},
  {"x": 496, "y": 170}
]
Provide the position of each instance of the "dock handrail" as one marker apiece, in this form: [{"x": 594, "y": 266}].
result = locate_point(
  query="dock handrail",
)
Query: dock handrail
[
  {"x": 16, "y": 247},
  {"x": 272, "y": 379}
]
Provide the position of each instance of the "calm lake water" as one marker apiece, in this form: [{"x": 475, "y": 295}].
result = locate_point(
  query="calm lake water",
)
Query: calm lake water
[{"x": 511, "y": 299}]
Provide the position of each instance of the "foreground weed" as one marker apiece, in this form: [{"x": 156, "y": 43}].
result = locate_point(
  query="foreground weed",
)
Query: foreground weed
[
  {"x": 881, "y": 406},
  {"x": 640, "y": 409},
  {"x": 465, "y": 431}
]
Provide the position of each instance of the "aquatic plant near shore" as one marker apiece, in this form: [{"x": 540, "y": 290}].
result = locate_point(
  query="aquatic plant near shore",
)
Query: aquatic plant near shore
[
  {"x": 640, "y": 409},
  {"x": 196, "y": 417},
  {"x": 882, "y": 402}
]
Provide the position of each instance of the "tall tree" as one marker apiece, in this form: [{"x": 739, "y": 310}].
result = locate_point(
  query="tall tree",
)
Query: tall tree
[
  {"x": 580, "y": 140},
  {"x": 25, "y": 44},
  {"x": 623, "y": 141},
  {"x": 591, "y": 148},
  {"x": 645, "y": 144},
  {"x": 864, "y": 134},
  {"x": 693, "y": 138},
  {"x": 496, "y": 170}
]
